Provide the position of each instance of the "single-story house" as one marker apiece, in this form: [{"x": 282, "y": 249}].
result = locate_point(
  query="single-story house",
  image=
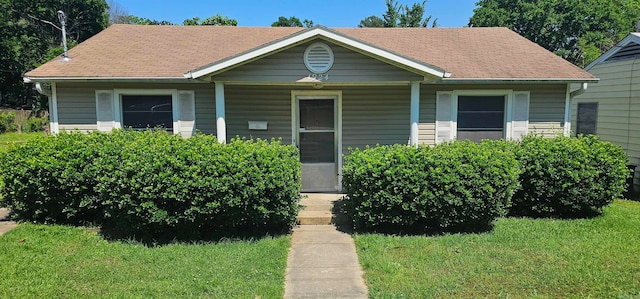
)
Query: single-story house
[
  {"x": 323, "y": 89},
  {"x": 611, "y": 108}
]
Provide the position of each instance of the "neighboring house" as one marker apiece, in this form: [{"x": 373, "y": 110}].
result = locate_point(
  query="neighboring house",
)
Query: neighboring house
[
  {"x": 611, "y": 108},
  {"x": 324, "y": 90}
]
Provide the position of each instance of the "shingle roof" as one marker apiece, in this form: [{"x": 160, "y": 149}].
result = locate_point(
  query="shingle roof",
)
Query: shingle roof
[{"x": 135, "y": 51}]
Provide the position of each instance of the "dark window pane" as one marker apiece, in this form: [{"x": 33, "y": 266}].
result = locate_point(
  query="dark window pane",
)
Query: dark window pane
[
  {"x": 481, "y": 120},
  {"x": 480, "y": 117},
  {"x": 317, "y": 147},
  {"x": 140, "y": 112},
  {"x": 587, "y": 118},
  {"x": 316, "y": 114},
  {"x": 481, "y": 113},
  {"x": 480, "y": 103}
]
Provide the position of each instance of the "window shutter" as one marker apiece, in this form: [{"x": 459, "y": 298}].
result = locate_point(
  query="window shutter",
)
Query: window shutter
[
  {"x": 520, "y": 114},
  {"x": 446, "y": 114},
  {"x": 105, "y": 110},
  {"x": 187, "y": 113}
]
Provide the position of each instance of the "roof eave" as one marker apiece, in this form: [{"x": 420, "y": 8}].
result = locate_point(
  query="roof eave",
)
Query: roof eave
[
  {"x": 517, "y": 80},
  {"x": 34, "y": 79},
  {"x": 302, "y": 36}
]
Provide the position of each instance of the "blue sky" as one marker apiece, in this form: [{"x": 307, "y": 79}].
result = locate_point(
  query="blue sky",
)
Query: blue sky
[{"x": 330, "y": 13}]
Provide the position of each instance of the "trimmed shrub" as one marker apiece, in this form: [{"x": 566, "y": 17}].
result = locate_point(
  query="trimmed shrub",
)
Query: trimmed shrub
[
  {"x": 453, "y": 186},
  {"x": 36, "y": 124},
  {"x": 154, "y": 185},
  {"x": 7, "y": 122},
  {"x": 568, "y": 177}
]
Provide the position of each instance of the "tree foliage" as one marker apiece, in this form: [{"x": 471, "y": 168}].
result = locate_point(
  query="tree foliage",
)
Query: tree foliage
[
  {"x": 578, "y": 31},
  {"x": 217, "y": 20},
  {"x": 371, "y": 22},
  {"x": 145, "y": 21},
  {"x": 30, "y": 35},
  {"x": 398, "y": 15},
  {"x": 291, "y": 22}
]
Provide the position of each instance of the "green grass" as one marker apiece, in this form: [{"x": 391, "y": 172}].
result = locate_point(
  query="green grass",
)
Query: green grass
[
  {"x": 520, "y": 258},
  {"x": 38, "y": 261},
  {"x": 7, "y": 139}
]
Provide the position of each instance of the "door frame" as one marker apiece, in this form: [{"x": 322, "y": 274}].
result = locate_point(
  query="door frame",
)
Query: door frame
[{"x": 296, "y": 96}]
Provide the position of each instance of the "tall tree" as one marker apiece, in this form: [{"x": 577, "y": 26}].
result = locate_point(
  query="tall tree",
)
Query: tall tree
[
  {"x": 401, "y": 16},
  {"x": 371, "y": 21},
  {"x": 30, "y": 35},
  {"x": 578, "y": 31},
  {"x": 217, "y": 20},
  {"x": 118, "y": 14},
  {"x": 291, "y": 22}
]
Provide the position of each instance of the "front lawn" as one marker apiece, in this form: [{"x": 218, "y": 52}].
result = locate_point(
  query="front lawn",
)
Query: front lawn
[
  {"x": 539, "y": 258},
  {"x": 7, "y": 139},
  {"x": 38, "y": 261}
]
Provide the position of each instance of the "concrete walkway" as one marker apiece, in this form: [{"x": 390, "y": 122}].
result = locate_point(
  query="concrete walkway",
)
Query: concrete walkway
[
  {"x": 5, "y": 224},
  {"x": 322, "y": 263}
]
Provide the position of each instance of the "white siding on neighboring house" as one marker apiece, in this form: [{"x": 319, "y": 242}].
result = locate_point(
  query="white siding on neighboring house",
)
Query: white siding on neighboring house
[{"x": 618, "y": 98}]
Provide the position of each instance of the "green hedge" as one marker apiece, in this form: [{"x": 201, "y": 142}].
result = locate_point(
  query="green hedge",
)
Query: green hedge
[
  {"x": 7, "y": 123},
  {"x": 568, "y": 177},
  {"x": 153, "y": 184},
  {"x": 453, "y": 186}
]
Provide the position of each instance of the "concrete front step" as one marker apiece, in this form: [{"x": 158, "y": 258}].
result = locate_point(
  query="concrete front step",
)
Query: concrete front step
[
  {"x": 318, "y": 208},
  {"x": 314, "y": 218}
]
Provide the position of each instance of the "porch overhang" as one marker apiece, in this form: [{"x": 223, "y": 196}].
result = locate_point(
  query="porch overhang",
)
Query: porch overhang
[{"x": 429, "y": 72}]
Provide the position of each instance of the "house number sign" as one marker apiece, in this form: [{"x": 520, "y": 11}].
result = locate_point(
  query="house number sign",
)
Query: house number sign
[{"x": 320, "y": 77}]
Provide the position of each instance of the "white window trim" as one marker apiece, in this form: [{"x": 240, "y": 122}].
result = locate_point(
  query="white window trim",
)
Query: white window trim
[
  {"x": 118, "y": 93},
  {"x": 507, "y": 93},
  {"x": 295, "y": 125}
]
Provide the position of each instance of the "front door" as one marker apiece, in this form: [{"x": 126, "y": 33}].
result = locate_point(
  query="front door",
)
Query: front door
[{"x": 317, "y": 141}]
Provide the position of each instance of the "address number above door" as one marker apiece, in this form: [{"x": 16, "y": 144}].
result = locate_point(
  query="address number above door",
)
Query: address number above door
[{"x": 318, "y": 58}]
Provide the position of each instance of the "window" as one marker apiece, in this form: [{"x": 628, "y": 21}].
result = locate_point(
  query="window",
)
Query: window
[
  {"x": 147, "y": 111},
  {"x": 481, "y": 117},
  {"x": 587, "y": 117}
]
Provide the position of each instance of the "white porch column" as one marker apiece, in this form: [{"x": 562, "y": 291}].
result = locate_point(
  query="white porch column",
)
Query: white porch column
[
  {"x": 567, "y": 112},
  {"x": 53, "y": 110},
  {"x": 415, "y": 112},
  {"x": 221, "y": 124}
]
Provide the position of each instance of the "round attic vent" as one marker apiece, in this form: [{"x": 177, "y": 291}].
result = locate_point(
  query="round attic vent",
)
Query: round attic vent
[{"x": 318, "y": 58}]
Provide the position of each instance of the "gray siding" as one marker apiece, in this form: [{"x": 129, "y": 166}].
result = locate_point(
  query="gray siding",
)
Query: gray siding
[
  {"x": 618, "y": 98},
  {"x": 370, "y": 116},
  {"x": 546, "y": 110},
  {"x": 427, "y": 124},
  {"x": 76, "y": 107},
  {"x": 546, "y": 107},
  {"x": 258, "y": 103},
  {"x": 288, "y": 67},
  {"x": 375, "y": 115},
  {"x": 77, "y": 103}
]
